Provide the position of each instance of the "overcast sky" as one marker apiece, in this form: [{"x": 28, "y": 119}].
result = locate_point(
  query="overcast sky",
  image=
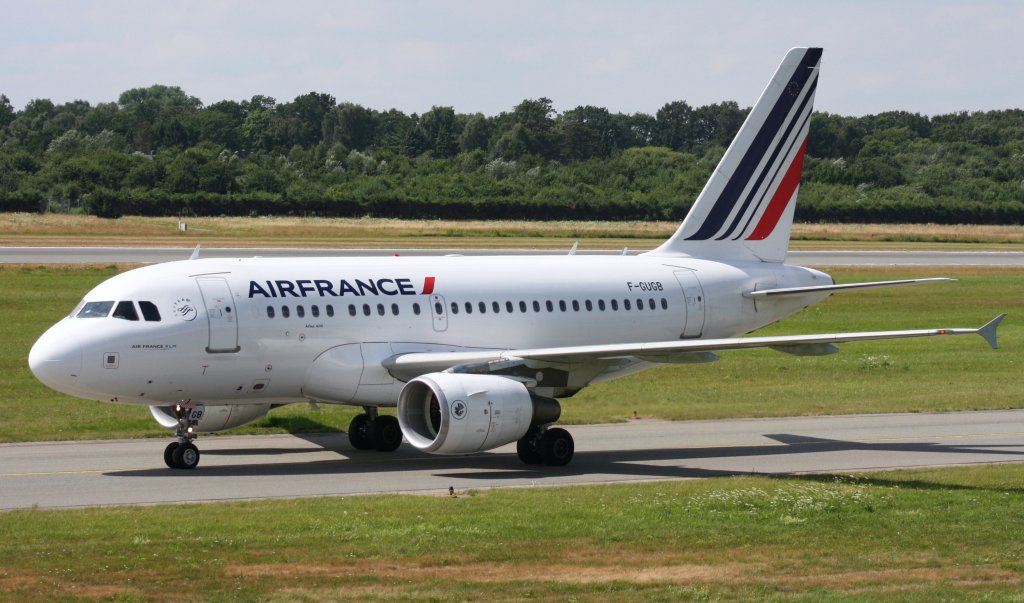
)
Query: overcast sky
[{"x": 629, "y": 56}]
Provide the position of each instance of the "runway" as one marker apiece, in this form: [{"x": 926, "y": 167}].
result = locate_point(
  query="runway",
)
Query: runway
[
  {"x": 149, "y": 255},
  {"x": 122, "y": 472}
]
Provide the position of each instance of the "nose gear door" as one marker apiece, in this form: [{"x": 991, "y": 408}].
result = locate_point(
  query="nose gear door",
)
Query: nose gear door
[{"x": 220, "y": 314}]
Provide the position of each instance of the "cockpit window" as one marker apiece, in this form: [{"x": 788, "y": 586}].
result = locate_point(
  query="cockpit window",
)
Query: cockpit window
[
  {"x": 100, "y": 309},
  {"x": 149, "y": 311},
  {"x": 126, "y": 310}
]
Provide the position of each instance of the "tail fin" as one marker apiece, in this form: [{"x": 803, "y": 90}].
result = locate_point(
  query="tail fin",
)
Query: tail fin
[{"x": 745, "y": 211}]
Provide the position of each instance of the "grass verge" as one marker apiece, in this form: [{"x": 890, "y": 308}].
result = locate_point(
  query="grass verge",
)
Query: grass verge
[
  {"x": 922, "y": 535},
  {"x": 941, "y": 374}
]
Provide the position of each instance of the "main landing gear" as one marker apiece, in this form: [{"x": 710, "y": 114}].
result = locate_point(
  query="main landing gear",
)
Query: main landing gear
[
  {"x": 374, "y": 431},
  {"x": 183, "y": 454},
  {"x": 550, "y": 446}
]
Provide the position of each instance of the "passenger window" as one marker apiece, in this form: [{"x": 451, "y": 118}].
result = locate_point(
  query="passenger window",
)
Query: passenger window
[
  {"x": 270, "y": 311},
  {"x": 590, "y": 306},
  {"x": 285, "y": 312},
  {"x": 509, "y": 307},
  {"x": 650, "y": 304},
  {"x": 536, "y": 306},
  {"x": 149, "y": 311},
  {"x": 100, "y": 309},
  {"x": 495, "y": 307},
  {"x": 483, "y": 308},
  {"x": 351, "y": 309},
  {"x": 366, "y": 309},
  {"x": 380, "y": 309},
  {"x": 640, "y": 305},
  {"x": 615, "y": 305},
  {"x": 126, "y": 311},
  {"x": 575, "y": 306},
  {"x": 561, "y": 305},
  {"x": 330, "y": 310},
  {"x": 455, "y": 308},
  {"x": 600, "y": 305},
  {"x": 550, "y": 306},
  {"x": 300, "y": 311},
  {"x": 394, "y": 309},
  {"x": 416, "y": 309},
  {"x": 469, "y": 308},
  {"x": 625, "y": 305},
  {"x": 664, "y": 304},
  {"x": 522, "y": 307},
  {"x": 438, "y": 308},
  {"x": 315, "y": 310}
]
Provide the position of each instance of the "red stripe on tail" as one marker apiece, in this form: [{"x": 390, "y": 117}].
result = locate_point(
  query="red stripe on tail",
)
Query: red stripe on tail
[{"x": 781, "y": 199}]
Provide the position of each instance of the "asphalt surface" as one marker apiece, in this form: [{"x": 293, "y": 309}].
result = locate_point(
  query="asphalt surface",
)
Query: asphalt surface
[
  {"x": 147, "y": 255},
  {"x": 121, "y": 472}
]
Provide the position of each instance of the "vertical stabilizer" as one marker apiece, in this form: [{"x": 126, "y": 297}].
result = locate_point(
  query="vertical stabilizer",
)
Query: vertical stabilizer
[{"x": 745, "y": 211}]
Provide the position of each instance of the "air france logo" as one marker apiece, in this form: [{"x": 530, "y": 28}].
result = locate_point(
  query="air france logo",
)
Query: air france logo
[
  {"x": 459, "y": 409},
  {"x": 339, "y": 287},
  {"x": 184, "y": 309}
]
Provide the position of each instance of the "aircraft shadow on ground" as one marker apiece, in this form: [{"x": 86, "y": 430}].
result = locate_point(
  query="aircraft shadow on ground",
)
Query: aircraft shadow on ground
[{"x": 496, "y": 467}]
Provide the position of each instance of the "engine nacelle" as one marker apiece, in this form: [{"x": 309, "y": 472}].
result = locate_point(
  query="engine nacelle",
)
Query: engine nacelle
[
  {"x": 212, "y": 418},
  {"x": 455, "y": 413}
]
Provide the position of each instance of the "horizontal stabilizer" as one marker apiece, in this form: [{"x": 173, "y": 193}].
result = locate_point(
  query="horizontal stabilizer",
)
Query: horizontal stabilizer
[{"x": 797, "y": 291}]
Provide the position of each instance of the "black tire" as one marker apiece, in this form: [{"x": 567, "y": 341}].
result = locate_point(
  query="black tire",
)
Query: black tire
[
  {"x": 387, "y": 433},
  {"x": 185, "y": 456},
  {"x": 557, "y": 446},
  {"x": 358, "y": 434},
  {"x": 528, "y": 450},
  {"x": 169, "y": 454}
]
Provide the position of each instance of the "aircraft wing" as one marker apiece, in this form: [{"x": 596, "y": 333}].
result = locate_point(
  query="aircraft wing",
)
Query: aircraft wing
[{"x": 411, "y": 365}]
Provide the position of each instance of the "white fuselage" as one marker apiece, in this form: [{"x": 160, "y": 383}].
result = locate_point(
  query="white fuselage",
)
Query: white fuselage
[{"x": 244, "y": 331}]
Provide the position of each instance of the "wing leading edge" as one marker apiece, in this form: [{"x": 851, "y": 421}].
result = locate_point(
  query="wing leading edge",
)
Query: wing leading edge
[{"x": 411, "y": 365}]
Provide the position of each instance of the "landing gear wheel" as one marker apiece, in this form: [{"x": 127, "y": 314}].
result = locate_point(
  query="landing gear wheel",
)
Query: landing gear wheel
[
  {"x": 528, "y": 450},
  {"x": 185, "y": 456},
  {"x": 557, "y": 447},
  {"x": 359, "y": 434},
  {"x": 387, "y": 434},
  {"x": 169, "y": 454}
]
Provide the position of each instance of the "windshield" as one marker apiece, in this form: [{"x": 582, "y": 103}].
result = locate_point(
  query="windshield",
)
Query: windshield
[{"x": 99, "y": 309}]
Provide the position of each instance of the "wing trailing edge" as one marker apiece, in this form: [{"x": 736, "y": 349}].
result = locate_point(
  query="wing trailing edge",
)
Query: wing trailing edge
[{"x": 408, "y": 366}]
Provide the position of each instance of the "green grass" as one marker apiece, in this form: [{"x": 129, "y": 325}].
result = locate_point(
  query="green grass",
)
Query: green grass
[
  {"x": 955, "y": 373},
  {"x": 922, "y": 535}
]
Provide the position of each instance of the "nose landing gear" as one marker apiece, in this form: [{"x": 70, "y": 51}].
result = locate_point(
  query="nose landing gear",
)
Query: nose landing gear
[{"x": 183, "y": 454}]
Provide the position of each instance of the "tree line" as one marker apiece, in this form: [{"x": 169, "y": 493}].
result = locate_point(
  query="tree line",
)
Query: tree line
[{"x": 159, "y": 151}]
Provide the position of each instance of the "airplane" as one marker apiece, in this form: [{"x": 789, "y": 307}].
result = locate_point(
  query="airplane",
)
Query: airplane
[{"x": 474, "y": 352}]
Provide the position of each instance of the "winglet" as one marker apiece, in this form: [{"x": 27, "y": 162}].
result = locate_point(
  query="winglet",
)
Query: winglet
[
  {"x": 195, "y": 253},
  {"x": 989, "y": 330}
]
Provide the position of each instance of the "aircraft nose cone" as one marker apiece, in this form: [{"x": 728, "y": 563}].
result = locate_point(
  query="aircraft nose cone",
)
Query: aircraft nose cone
[{"x": 55, "y": 362}]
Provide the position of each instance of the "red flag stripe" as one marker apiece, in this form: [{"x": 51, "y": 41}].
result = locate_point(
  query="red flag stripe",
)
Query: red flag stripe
[{"x": 781, "y": 199}]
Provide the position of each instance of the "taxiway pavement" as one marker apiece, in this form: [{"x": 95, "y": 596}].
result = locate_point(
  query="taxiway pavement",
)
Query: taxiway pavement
[{"x": 122, "y": 472}]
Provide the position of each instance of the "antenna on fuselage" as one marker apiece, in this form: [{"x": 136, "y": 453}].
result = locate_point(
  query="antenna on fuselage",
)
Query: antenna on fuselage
[{"x": 195, "y": 253}]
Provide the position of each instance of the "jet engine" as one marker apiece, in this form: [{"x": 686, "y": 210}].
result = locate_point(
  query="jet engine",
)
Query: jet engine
[
  {"x": 455, "y": 413},
  {"x": 212, "y": 418}
]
